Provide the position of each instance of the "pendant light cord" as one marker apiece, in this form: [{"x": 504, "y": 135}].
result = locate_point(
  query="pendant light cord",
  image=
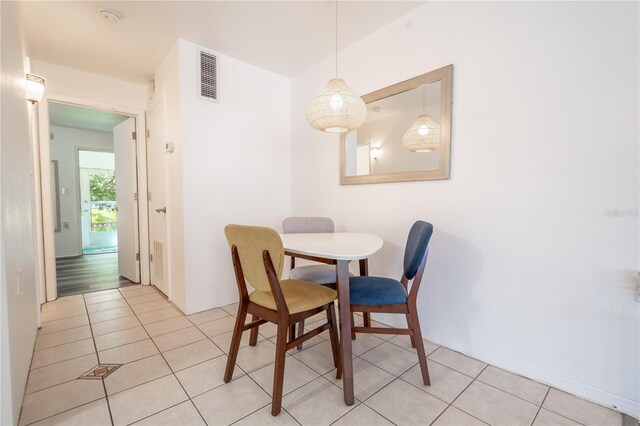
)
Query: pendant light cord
[
  {"x": 336, "y": 38},
  {"x": 424, "y": 102}
]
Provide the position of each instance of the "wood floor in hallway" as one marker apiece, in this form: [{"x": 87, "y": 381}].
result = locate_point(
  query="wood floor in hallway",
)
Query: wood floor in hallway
[{"x": 89, "y": 272}]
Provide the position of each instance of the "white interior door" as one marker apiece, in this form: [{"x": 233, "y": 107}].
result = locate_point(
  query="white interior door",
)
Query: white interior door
[
  {"x": 124, "y": 146},
  {"x": 157, "y": 196}
]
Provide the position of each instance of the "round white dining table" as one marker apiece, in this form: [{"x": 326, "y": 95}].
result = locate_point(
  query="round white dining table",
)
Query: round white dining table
[{"x": 337, "y": 248}]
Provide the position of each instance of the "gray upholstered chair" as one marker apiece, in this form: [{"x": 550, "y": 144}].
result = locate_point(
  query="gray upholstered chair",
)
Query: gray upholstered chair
[{"x": 319, "y": 274}]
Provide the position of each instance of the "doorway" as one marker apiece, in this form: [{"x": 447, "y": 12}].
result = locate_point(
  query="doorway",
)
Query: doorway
[{"x": 94, "y": 193}]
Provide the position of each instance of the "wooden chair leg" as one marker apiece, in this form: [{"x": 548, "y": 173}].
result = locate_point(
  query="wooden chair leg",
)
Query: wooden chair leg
[
  {"x": 366, "y": 316},
  {"x": 417, "y": 337},
  {"x": 335, "y": 345},
  {"x": 278, "y": 374},
  {"x": 253, "y": 337},
  {"x": 413, "y": 341},
  {"x": 292, "y": 331},
  {"x": 235, "y": 344},
  {"x": 353, "y": 324},
  {"x": 300, "y": 333}
]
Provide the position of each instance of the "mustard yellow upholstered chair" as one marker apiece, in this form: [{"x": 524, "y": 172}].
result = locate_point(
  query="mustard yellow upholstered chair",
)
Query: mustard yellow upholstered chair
[{"x": 258, "y": 258}]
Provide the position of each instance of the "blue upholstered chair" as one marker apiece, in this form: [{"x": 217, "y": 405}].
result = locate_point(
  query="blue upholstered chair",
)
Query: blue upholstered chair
[{"x": 386, "y": 295}]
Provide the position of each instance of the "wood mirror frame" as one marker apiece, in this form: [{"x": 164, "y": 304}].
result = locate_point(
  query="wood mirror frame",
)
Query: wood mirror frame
[{"x": 445, "y": 76}]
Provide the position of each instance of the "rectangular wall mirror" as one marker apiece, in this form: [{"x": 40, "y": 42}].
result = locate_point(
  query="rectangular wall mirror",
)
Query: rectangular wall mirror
[{"x": 407, "y": 135}]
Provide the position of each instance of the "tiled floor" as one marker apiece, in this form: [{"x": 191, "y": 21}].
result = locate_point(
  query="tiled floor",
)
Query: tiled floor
[{"x": 169, "y": 371}]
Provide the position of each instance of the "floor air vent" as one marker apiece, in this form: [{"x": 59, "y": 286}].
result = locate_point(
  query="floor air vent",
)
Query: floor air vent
[{"x": 208, "y": 76}]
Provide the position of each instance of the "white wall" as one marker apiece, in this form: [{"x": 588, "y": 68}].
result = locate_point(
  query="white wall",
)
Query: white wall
[
  {"x": 64, "y": 146},
  {"x": 529, "y": 269},
  {"x": 236, "y": 166},
  {"x": 18, "y": 290}
]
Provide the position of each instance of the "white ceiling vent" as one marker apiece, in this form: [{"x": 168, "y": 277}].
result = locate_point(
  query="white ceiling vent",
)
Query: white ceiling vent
[{"x": 208, "y": 81}]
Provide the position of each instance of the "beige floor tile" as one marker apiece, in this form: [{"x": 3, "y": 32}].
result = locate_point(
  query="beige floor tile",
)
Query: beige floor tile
[
  {"x": 232, "y": 401},
  {"x": 186, "y": 356},
  {"x": 231, "y": 309},
  {"x": 105, "y": 306},
  {"x": 251, "y": 358},
  {"x": 581, "y": 411},
  {"x": 378, "y": 324},
  {"x": 128, "y": 353},
  {"x": 63, "y": 324},
  {"x": 181, "y": 414},
  {"x": 205, "y": 376},
  {"x": 167, "y": 326},
  {"x": 92, "y": 298},
  {"x": 318, "y": 357},
  {"x": 62, "y": 353},
  {"x": 57, "y": 314},
  {"x": 97, "y": 317},
  {"x": 119, "y": 338},
  {"x": 362, "y": 415},
  {"x": 114, "y": 325},
  {"x": 224, "y": 340},
  {"x": 138, "y": 290},
  {"x": 61, "y": 372},
  {"x": 136, "y": 373},
  {"x": 319, "y": 402},
  {"x": 368, "y": 379},
  {"x": 206, "y": 316},
  {"x": 143, "y": 298},
  {"x": 56, "y": 399},
  {"x": 62, "y": 303},
  {"x": 446, "y": 383},
  {"x": 403, "y": 403},
  {"x": 95, "y": 413},
  {"x": 296, "y": 374},
  {"x": 494, "y": 406},
  {"x": 391, "y": 358},
  {"x": 405, "y": 342},
  {"x": 454, "y": 417},
  {"x": 151, "y": 306},
  {"x": 175, "y": 339},
  {"x": 268, "y": 330},
  {"x": 364, "y": 343},
  {"x": 263, "y": 417},
  {"x": 61, "y": 337},
  {"x": 137, "y": 403},
  {"x": 459, "y": 362},
  {"x": 549, "y": 418},
  {"x": 219, "y": 326},
  {"x": 516, "y": 385},
  {"x": 159, "y": 315}
]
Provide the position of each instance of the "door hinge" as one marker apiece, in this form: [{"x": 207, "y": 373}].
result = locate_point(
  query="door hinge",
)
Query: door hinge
[
  {"x": 151, "y": 257},
  {"x": 135, "y": 196},
  {"x": 134, "y": 136},
  {"x": 148, "y": 133},
  {"x": 137, "y": 256}
]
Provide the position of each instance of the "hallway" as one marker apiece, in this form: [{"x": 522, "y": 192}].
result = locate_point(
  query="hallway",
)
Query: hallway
[{"x": 87, "y": 273}]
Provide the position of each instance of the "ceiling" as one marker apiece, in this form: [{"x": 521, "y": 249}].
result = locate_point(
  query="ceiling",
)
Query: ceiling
[
  {"x": 284, "y": 37},
  {"x": 83, "y": 118}
]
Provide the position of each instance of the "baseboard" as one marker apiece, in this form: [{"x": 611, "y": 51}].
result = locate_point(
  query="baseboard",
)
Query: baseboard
[{"x": 557, "y": 381}]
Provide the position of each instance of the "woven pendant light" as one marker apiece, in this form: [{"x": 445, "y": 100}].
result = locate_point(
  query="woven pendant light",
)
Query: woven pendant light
[
  {"x": 336, "y": 109},
  {"x": 424, "y": 133}
]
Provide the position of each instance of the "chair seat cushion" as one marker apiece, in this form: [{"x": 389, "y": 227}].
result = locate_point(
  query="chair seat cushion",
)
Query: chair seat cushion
[
  {"x": 318, "y": 274},
  {"x": 299, "y": 295},
  {"x": 376, "y": 291}
]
